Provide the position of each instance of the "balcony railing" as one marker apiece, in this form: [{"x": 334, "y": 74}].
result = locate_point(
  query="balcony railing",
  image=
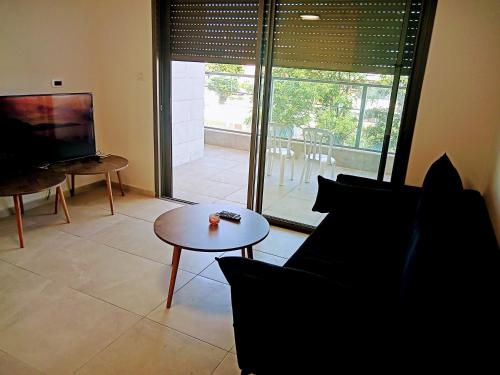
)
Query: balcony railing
[{"x": 363, "y": 98}]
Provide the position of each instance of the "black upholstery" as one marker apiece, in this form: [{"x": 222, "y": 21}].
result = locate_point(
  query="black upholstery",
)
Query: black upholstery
[{"x": 406, "y": 274}]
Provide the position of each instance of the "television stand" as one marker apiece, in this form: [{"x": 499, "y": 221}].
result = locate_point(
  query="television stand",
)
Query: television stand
[{"x": 96, "y": 165}]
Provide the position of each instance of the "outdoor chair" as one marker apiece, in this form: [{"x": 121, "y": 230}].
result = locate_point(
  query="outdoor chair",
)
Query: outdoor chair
[
  {"x": 279, "y": 145},
  {"x": 318, "y": 147}
]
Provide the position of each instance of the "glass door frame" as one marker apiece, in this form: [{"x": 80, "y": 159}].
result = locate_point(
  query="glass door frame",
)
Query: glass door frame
[{"x": 261, "y": 101}]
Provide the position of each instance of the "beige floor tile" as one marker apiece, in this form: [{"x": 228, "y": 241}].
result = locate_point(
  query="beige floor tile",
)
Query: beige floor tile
[
  {"x": 53, "y": 328},
  {"x": 229, "y": 366},
  {"x": 192, "y": 197},
  {"x": 150, "y": 348},
  {"x": 301, "y": 213},
  {"x": 84, "y": 221},
  {"x": 209, "y": 161},
  {"x": 239, "y": 196},
  {"x": 12, "y": 366},
  {"x": 142, "y": 206},
  {"x": 125, "y": 280},
  {"x": 8, "y": 225},
  {"x": 216, "y": 189},
  {"x": 239, "y": 204},
  {"x": 137, "y": 237},
  {"x": 214, "y": 272},
  {"x": 95, "y": 198},
  {"x": 239, "y": 178},
  {"x": 281, "y": 242},
  {"x": 37, "y": 239},
  {"x": 201, "y": 309}
]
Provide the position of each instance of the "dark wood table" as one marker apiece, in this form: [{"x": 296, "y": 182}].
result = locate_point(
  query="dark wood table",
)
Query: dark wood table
[
  {"x": 30, "y": 181},
  {"x": 188, "y": 228},
  {"x": 105, "y": 166}
]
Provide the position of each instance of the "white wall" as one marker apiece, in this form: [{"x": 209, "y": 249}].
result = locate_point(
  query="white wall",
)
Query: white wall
[
  {"x": 459, "y": 108},
  {"x": 492, "y": 192},
  {"x": 122, "y": 67},
  {"x": 459, "y": 111},
  {"x": 99, "y": 46},
  {"x": 41, "y": 40},
  {"x": 188, "y": 105}
]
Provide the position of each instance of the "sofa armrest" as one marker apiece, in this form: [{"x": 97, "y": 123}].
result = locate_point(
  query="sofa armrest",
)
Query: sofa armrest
[{"x": 279, "y": 312}]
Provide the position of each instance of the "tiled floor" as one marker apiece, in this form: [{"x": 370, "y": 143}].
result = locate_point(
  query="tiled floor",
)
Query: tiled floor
[
  {"x": 222, "y": 175},
  {"x": 89, "y": 297}
]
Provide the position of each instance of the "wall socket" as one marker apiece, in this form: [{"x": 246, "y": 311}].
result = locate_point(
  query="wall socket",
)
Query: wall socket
[{"x": 57, "y": 82}]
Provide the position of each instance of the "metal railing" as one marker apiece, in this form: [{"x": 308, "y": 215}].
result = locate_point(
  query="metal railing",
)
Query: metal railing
[{"x": 364, "y": 86}]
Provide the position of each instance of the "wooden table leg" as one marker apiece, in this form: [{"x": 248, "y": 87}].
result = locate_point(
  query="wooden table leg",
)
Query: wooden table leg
[
  {"x": 60, "y": 193},
  {"x": 250, "y": 252},
  {"x": 120, "y": 181},
  {"x": 175, "y": 265},
  {"x": 19, "y": 220},
  {"x": 72, "y": 191},
  {"x": 21, "y": 203},
  {"x": 110, "y": 192},
  {"x": 56, "y": 202},
  {"x": 243, "y": 252}
]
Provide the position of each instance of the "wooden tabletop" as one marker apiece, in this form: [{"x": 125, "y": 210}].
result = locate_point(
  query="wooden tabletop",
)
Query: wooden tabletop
[
  {"x": 28, "y": 181},
  {"x": 188, "y": 228},
  {"x": 88, "y": 167}
]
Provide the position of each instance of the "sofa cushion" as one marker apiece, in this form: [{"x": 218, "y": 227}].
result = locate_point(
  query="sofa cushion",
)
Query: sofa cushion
[
  {"x": 333, "y": 196},
  {"x": 442, "y": 178}
]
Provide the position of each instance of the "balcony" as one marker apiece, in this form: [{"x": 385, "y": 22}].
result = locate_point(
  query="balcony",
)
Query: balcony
[{"x": 211, "y": 140}]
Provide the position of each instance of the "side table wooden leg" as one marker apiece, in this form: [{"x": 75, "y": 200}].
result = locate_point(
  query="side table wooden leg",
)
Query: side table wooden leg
[
  {"x": 120, "y": 181},
  {"x": 175, "y": 265},
  {"x": 19, "y": 220},
  {"x": 21, "y": 203},
  {"x": 60, "y": 193},
  {"x": 56, "y": 201},
  {"x": 72, "y": 191},
  {"x": 110, "y": 192},
  {"x": 250, "y": 252},
  {"x": 243, "y": 252}
]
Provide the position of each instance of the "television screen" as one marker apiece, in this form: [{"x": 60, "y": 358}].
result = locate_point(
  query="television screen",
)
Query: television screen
[{"x": 41, "y": 129}]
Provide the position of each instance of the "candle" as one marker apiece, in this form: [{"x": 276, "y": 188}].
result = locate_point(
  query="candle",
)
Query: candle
[{"x": 213, "y": 219}]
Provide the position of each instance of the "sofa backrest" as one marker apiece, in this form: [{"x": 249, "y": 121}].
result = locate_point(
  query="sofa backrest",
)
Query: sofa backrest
[{"x": 453, "y": 257}]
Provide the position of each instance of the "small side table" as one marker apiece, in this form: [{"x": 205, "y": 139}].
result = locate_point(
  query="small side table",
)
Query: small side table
[
  {"x": 30, "y": 181},
  {"x": 187, "y": 228},
  {"x": 105, "y": 166}
]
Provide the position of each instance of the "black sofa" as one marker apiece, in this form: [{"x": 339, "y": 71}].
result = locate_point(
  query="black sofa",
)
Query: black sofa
[{"x": 392, "y": 275}]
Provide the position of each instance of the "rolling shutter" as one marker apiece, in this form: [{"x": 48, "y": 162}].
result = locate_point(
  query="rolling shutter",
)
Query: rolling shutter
[
  {"x": 221, "y": 31},
  {"x": 351, "y": 36}
]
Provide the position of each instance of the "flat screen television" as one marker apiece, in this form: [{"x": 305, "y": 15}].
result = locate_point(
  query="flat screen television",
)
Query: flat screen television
[{"x": 44, "y": 129}]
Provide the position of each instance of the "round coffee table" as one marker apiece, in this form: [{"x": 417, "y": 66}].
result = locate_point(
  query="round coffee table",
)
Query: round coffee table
[
  {"x": 105, "y": 166},
  {"x": 188, "y": 228},
  {"x": 30, "y": 181}
]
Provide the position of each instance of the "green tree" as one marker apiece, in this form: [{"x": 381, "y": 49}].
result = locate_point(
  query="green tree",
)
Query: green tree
[
  {"x": 373, "y": 135},
  {"x": 321, "y": 104},
  {"x": 224, "y": 86}
]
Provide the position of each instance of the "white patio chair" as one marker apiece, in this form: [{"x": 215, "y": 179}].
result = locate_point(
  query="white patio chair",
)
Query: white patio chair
[
  {"x": 316, "y": 142},
  {"x": 279, "y": 145}
]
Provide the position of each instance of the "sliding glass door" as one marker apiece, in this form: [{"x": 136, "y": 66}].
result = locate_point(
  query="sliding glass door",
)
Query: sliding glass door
[{"x": 267, "y": 95}]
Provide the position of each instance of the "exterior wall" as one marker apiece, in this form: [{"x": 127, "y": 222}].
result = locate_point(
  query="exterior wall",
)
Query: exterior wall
[{"x": 188, "y": 84}]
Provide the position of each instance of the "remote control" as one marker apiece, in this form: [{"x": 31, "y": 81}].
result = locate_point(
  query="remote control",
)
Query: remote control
[{"x": 229, "y": 216}]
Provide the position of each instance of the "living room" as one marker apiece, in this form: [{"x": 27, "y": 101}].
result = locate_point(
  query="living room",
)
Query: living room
[{"x": 89, "y": 296}]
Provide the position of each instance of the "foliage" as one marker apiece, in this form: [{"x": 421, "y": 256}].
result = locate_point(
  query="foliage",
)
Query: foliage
[
  {"x": 373, "y": 135},
  {"x": 309, "y": 98},
  {"x": 321, "y": 104},
  {"x": 224, "y": 86}
]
